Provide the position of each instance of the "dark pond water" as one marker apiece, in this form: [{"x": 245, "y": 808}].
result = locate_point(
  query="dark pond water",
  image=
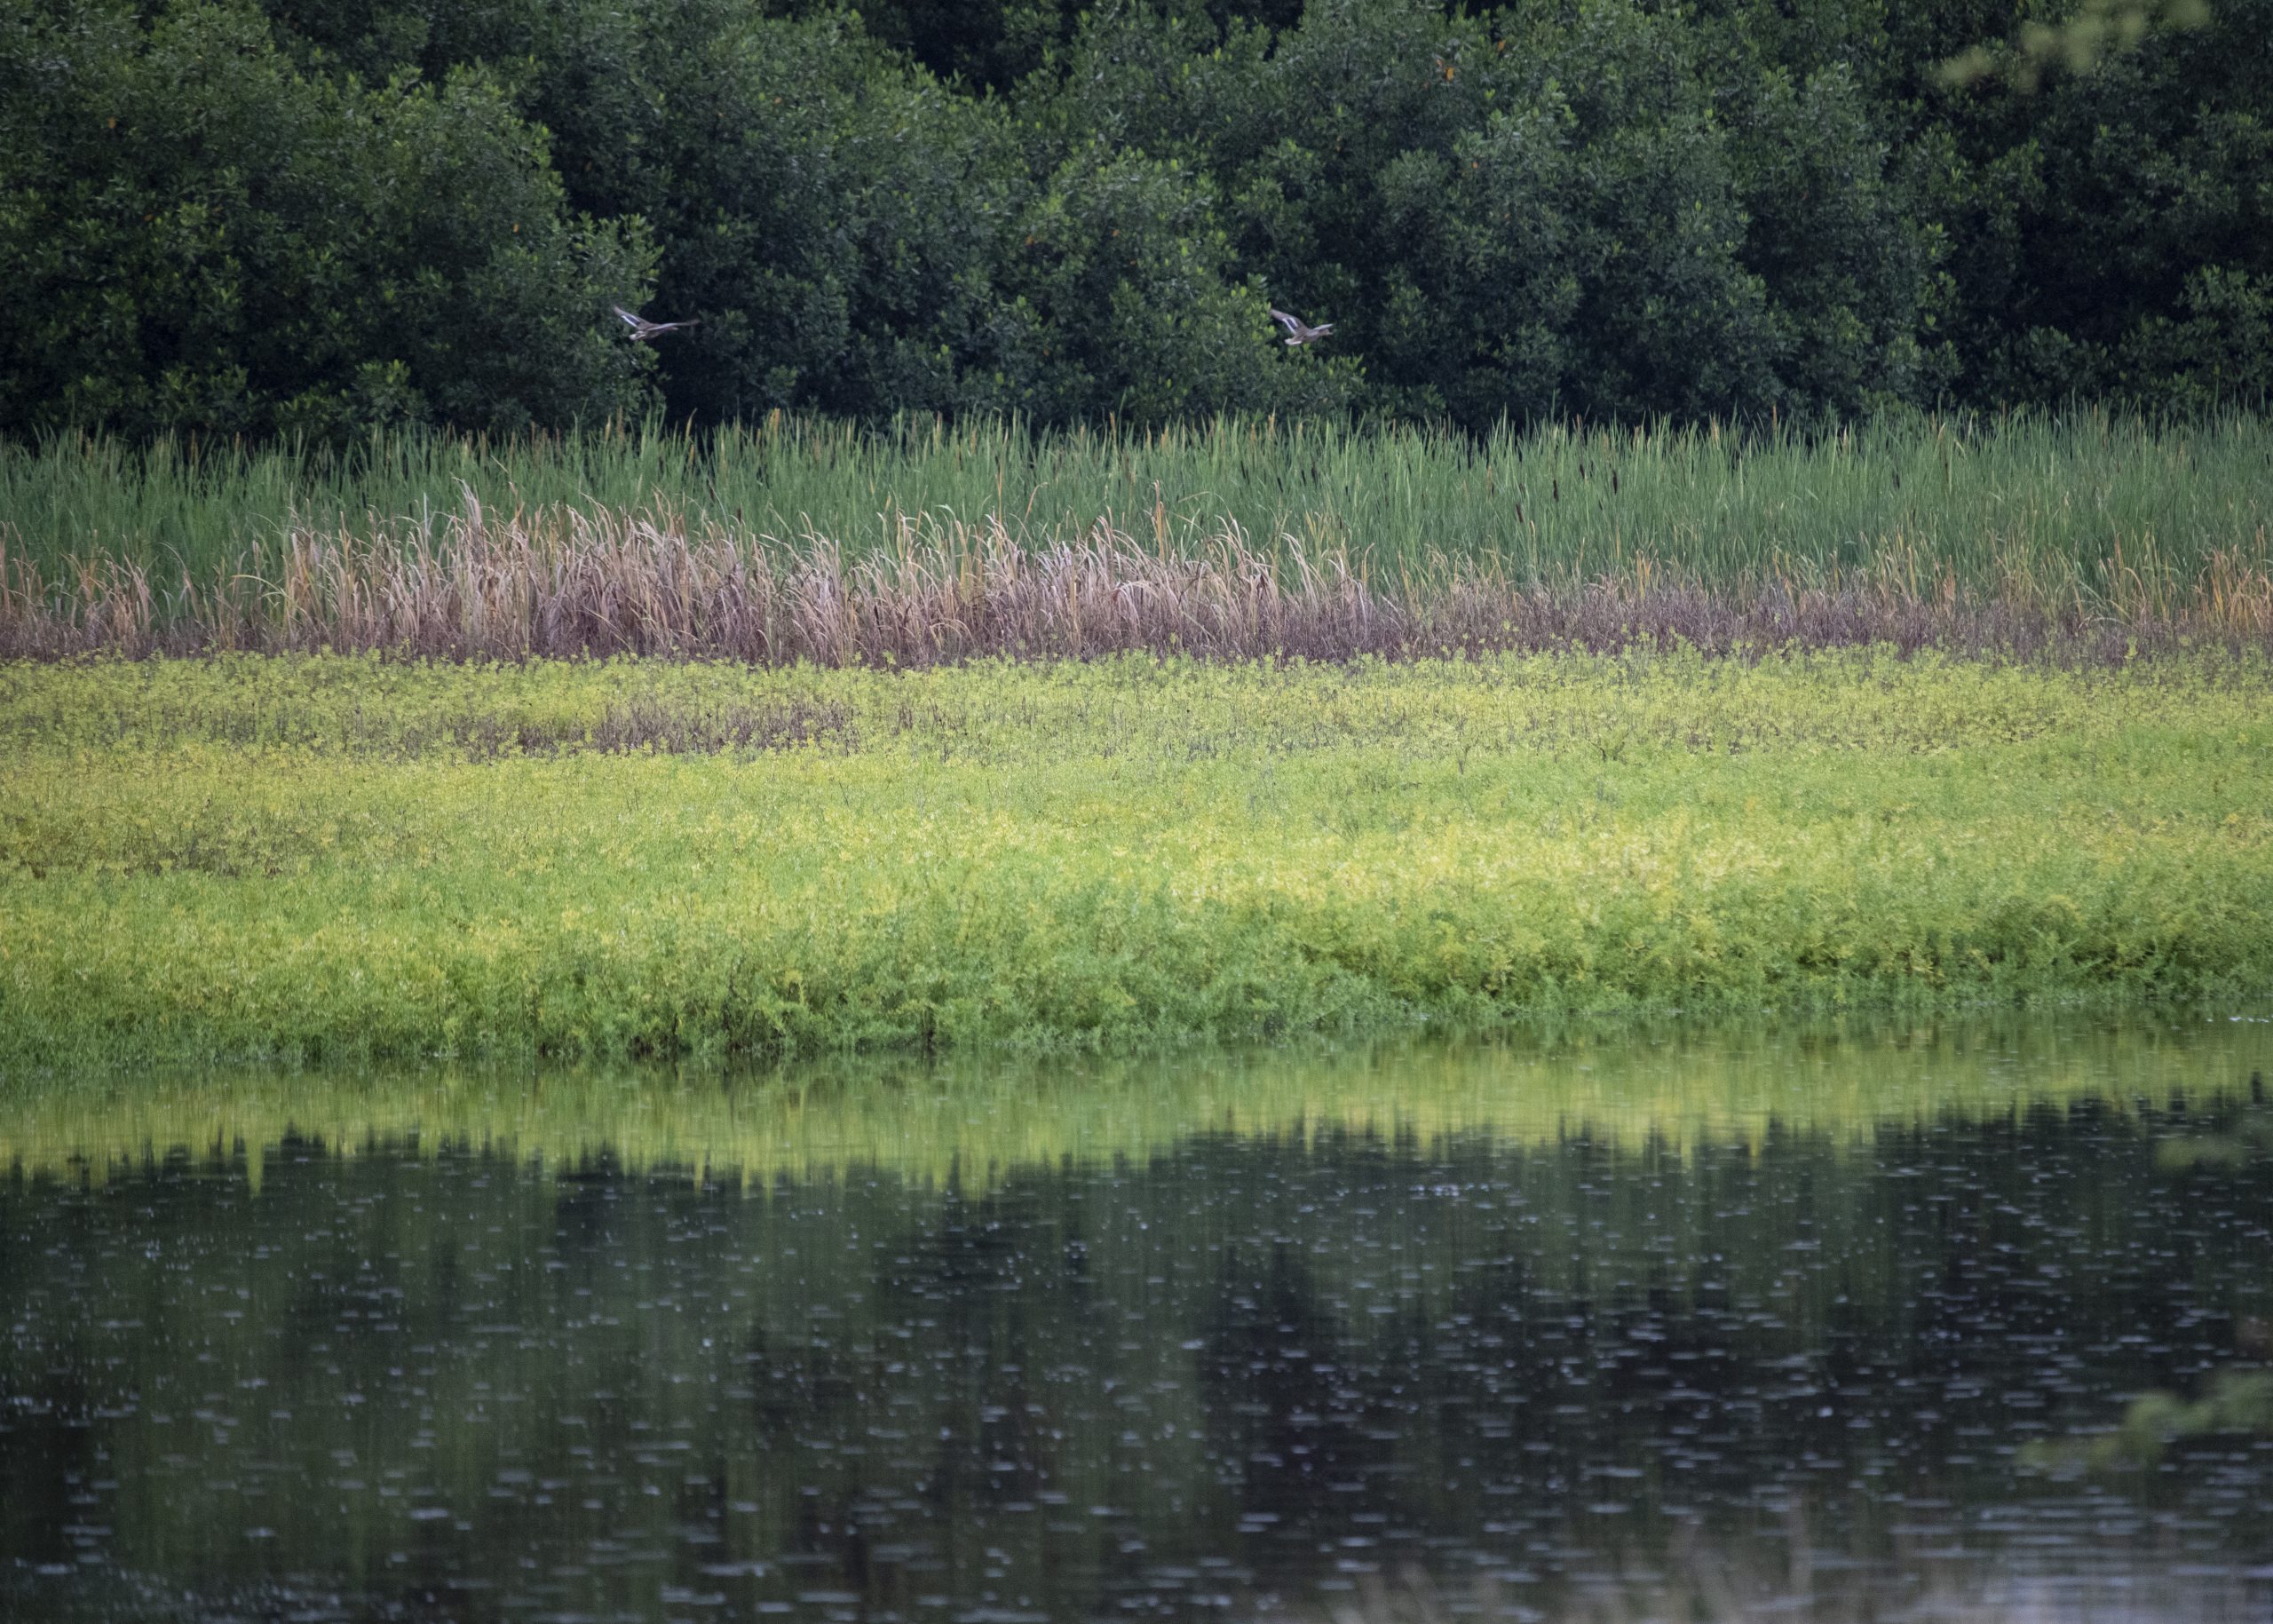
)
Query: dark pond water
[{"x": 1840, "y": 1364}]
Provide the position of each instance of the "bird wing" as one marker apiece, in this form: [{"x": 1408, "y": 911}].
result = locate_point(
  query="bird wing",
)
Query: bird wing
[
  {"x": 1292, "y": 325},
  {"x": 635, "y": 322}
]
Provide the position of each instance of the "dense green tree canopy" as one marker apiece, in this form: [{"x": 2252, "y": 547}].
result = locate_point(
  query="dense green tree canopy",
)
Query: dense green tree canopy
[{"x": 317, "y": 215}]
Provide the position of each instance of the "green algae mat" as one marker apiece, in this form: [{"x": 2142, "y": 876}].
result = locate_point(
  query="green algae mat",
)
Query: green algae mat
[{"x": 322, "y": 859}]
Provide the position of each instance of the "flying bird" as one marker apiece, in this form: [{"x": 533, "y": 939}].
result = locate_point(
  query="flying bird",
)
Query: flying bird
[
  {"x": 643, "y": 329},
  {"x": 1297, "y": 332}
]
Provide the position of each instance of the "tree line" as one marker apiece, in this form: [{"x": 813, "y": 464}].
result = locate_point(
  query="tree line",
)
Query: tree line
[{"x": 316, "y": 218}]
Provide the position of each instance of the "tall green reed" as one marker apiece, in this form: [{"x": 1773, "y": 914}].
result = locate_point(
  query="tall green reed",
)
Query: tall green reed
[{"x": 2083, "y": 505}]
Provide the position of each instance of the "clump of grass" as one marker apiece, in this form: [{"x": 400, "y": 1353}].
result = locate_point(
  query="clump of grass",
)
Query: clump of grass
[{"x": 566, "y": 581}]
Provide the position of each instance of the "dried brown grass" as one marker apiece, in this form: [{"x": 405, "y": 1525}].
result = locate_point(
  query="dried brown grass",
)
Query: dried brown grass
[{"x": 568, "y": 582}]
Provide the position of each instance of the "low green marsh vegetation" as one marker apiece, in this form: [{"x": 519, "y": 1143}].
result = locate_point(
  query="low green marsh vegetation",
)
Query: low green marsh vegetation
[
  {"x": 327, "y": 857},
  {"x": 920, "y": 540}
]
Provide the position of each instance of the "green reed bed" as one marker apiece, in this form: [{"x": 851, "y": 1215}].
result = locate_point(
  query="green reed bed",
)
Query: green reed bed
[
  {"x": 579, "y": 578},
  {"x": 323, "y": 856},
  {"x": 2095, "y": 508}
]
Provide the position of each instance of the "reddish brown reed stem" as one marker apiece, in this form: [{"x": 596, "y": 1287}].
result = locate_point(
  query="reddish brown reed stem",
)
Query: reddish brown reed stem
[{"x": 563, "y": 583}]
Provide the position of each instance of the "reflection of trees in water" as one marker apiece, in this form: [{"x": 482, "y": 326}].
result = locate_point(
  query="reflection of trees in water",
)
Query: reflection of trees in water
[
  {"x": 1301, "y": 1422},
  {"x": 1533, "y": 1353},
  {"x": 1844, "y": 1330},
  {"x": 929, "y": 1389},
  {"x": 48, "y": 1453},
  {"x": 983, "y": 1286}
]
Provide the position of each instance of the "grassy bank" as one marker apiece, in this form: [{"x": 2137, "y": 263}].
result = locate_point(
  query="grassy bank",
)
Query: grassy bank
[
  {"x": 327, "y": 857},
  {"x": 626, "y": 539}
]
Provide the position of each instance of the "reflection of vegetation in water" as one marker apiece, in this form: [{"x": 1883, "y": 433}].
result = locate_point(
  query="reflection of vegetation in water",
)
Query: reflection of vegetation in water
[
  {"x": 1709, "y": 1585},
  {"x": 1639, "y": 1297},
  {"x": 976, "y": 1119},
  {"x": 2237, "y": 1403},
  {"x": 2250, "y": 1137},
  {"x": 1747, "y": 1587}
]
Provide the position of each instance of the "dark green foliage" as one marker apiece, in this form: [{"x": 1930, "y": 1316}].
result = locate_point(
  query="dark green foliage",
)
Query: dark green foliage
[
  {"x": 319, "y": 217},
  {"x": 195, "y": 234}
]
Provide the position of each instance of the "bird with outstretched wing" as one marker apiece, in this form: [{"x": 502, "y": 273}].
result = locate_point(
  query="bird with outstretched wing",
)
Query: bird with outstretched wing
[
  {"x": 643, "y": 329},
  {"x": 1298, "y": 331}
]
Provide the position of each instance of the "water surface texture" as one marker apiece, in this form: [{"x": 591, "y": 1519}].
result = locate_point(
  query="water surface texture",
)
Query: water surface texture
[{"x": 1826, "y": 1320}]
